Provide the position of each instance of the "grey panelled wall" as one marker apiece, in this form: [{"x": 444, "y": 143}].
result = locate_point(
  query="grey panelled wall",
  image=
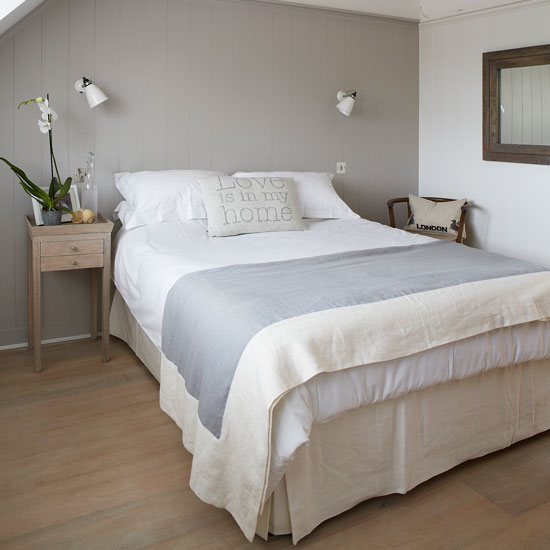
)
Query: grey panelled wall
[{"x": 219, "y": 84}]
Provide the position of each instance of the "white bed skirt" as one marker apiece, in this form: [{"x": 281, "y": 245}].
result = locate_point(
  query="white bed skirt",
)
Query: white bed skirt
[{"x": 387, "y": 447}]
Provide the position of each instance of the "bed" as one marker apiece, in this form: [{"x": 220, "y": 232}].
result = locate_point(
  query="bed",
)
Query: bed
[{"x": 337, "y": 437}]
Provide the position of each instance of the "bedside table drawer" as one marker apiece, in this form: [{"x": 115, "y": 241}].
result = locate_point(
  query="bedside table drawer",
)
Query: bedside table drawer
[
  {"x": 70, "y": 248},
  {"x": 76, "y": 261}
]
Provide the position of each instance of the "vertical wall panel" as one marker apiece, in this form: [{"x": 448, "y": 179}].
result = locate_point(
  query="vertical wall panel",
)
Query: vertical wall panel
[
  {"x": 153, "y": 117},
  {"x": 132, "y": 109},
  {"x": 81, "y": 136},
  {"x": 282, "y": 91},
  {"x": 177, "y": 84},
  {"x": 260, "y": 91},
  {"x": 392, "y": 94},
  {"x": 336, "y": 32},
  {"x": 242, "y": 100},
  {"x": 200, "y": 81},
  {"x": 300, "y": 135},
  {"x": 319, "y": 97},
  {"x": 353, "y": 135},
  {"x": 224, "y": 122},
  {"x": 371, "y": 95},
  {"x": 27, "y": 145},
  {"x": 200, "y": 84},
  {"x": 107, "y": 76},
  {"x": 55, "y": 64},
  {"x": 410, "y": 112},
  {"x": 81, "y": 63},
  {"x": 8, "y": 188}
]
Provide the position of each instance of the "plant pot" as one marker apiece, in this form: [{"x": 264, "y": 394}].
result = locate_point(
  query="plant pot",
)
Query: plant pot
[{"x": 52, "y": 217}]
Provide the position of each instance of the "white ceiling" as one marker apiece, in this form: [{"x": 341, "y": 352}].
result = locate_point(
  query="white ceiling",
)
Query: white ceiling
[
  {"x": 407, "y": 9},
  {"x": 419, "y": 10}
]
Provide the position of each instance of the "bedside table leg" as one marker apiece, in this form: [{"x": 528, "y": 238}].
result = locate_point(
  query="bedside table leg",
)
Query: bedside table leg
[
  {"x": 35, "y": 305},
  {"x": 30, "y": 333},
  {"x": 94, "y": 304},
  {"x": 106, "y": 296}
]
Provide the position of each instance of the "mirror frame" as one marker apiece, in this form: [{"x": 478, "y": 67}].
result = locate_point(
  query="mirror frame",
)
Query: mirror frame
[{"x": 492, "y": 148}]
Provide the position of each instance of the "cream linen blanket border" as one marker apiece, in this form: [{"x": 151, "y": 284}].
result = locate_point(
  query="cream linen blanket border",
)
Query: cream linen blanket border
[{"x": 232, "y": 472}]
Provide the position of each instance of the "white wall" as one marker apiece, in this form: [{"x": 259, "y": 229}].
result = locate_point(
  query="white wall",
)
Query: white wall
[
  {"x": 214, "y": 84},
  {"x": 512, "y": 201}
]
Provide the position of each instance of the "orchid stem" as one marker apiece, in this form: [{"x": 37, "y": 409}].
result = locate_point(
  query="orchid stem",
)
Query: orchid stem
[
  {"x": 51, "y": 140},
  {"x": 52, "y": 157}
]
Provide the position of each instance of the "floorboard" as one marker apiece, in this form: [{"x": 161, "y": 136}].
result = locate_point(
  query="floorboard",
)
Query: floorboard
[{"x": 88, "y": 460}]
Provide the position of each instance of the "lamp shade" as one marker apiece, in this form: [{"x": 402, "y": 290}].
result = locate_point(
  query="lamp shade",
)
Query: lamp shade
[
  {"x": 346, "y": 101},
  {"x": 94, "y": 95}
]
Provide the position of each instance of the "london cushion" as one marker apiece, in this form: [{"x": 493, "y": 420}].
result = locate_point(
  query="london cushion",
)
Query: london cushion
[
  {"x": 250, "y": 205},
  {"x": 437, "y": 219}
]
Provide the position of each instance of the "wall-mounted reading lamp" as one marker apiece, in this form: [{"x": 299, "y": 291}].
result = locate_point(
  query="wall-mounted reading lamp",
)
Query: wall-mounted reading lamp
[
  {"x": 93, "y": 94},
  {"x": 346, "y": 101}
]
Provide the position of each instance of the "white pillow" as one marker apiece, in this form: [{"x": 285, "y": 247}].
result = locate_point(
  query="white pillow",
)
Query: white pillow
[
  {"x": 123, "y": 212},
  {"x": 250, "y": 205},
  {"x": 163, "y": 195},
  {"x": 316, "y": 195}
]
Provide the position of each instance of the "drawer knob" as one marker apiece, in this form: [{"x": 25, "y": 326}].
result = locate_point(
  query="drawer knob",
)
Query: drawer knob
[
  {"x": 74, "y": 262},
  {"x": 73, "y": 247}
]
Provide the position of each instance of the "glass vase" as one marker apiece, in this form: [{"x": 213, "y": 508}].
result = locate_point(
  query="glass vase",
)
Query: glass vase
[{"x": 89, "y": 189}]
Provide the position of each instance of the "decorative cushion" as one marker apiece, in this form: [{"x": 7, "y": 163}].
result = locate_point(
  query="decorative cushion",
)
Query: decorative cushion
[
  {"x": 250, "y": 205},
  {"x": 436, "y": 219},
  {"x": 315, "y": 192}
]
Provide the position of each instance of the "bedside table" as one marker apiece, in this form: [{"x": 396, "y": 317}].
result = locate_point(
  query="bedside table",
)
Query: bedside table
[{"x": 63, "y": 247}]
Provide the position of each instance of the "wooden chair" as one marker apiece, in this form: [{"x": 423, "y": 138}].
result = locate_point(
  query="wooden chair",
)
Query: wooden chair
[{"x": 464, "y": 209}]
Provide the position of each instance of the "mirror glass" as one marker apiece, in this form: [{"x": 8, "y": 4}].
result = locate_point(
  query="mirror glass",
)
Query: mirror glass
[{"x": 524, "y": 94}]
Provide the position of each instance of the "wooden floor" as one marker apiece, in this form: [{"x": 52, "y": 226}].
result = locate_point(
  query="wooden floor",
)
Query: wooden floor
[{"x": 88, "y": 460}]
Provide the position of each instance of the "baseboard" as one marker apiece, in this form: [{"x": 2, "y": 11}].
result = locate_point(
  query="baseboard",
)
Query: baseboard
[
  {"x": 50, "y": 341},
  {"x": 51, "y": 332}
]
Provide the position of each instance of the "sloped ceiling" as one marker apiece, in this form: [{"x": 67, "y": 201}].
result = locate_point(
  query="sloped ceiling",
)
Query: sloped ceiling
[{"x": 12, "y": 11}]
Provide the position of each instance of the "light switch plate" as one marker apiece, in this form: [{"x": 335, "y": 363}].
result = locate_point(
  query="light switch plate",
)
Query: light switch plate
[{"x": 341, "y": 167}]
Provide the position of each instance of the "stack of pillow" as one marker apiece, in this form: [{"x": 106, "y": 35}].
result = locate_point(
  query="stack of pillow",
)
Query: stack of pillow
[{"x": 247, "y": 202}]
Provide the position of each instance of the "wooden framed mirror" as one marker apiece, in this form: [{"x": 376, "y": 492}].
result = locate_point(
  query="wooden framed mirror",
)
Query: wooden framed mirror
[{"x": 516, "y": 105}]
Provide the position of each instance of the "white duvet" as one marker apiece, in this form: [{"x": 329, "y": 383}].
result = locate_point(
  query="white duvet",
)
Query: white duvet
[{"x": 148, "y": 260}]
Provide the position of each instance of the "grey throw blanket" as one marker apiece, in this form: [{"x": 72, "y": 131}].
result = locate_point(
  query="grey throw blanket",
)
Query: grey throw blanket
[{"x": 211, "y": 315}]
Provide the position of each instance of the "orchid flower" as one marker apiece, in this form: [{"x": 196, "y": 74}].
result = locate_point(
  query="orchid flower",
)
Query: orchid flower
[
  {"x": 44, "y": 126},
  {"x": 46, "y": 110},
  {"x": 48, "y": 114}
]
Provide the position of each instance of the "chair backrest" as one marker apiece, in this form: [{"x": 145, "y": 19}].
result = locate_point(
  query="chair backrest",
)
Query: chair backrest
[{"x": 464, "y": 209}]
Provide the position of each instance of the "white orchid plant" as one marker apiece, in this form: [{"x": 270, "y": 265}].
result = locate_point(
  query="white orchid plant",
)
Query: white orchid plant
[{"x": 48, "y": 200}]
